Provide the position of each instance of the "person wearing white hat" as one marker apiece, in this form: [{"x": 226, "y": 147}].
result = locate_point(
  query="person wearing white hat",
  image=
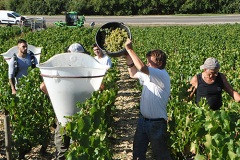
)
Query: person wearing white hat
[
  {"x": 61, "y": 140},
  {"x": 76, "y": 48},
  {"x": 210, "y": 83},
  {"x": 73, "y": 48}
]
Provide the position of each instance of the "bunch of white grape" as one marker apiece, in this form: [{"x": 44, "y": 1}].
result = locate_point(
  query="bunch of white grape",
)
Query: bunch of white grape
[{"x": 115, "y": 39}]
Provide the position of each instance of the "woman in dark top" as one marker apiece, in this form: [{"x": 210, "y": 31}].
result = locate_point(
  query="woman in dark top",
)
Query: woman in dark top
[{"x": 210, "y": 83}]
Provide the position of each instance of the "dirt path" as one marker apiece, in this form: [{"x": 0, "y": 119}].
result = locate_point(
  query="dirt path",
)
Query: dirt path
[
  {"x": 126, "y": 114},
  {"x": 124, "y": 122}
]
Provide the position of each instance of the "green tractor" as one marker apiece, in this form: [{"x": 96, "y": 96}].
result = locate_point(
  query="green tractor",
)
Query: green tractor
[{"x": 71, "y": 20}]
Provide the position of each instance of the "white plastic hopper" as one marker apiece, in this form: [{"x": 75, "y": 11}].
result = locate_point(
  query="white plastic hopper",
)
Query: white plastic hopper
[
  {"x": 71, "y": 78},
  {"x": 9, "y": 54}
]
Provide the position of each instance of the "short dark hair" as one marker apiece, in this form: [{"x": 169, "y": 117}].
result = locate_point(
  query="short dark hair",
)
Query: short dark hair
[
  {"x": 21, "y": 41},
  {"x": 159, "y": 55},
  {"x": 94, "y": 45}
]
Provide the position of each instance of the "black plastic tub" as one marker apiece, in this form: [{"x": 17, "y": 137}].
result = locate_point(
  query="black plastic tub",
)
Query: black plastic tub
[{"x": 101, "y": 35}]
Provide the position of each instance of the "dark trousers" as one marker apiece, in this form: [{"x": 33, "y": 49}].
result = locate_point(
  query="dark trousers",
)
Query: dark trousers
[{"x": 62, "y": 142}]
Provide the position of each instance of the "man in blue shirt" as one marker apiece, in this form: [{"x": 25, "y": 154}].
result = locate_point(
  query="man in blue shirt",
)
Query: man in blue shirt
[{"x": 19, "y": 63}]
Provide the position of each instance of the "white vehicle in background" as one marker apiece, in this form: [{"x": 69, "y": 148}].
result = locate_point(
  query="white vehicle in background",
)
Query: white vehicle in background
[
  {"x": 14, "y": 18},
  {"x": 10, "y": 17}
]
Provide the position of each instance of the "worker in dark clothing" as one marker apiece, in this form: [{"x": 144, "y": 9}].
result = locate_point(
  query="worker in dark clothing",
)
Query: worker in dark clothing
[{"x": 210, "y": 83}]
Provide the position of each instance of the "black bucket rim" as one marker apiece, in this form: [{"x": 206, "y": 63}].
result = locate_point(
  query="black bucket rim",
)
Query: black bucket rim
[{"x": 120, "y": 52}]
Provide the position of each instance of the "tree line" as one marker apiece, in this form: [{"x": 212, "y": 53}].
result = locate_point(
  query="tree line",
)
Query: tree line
[{"x": 121, "y": 7}]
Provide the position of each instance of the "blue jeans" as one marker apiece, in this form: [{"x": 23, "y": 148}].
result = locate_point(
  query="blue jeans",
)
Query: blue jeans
[{"x": 153, "y": 132}]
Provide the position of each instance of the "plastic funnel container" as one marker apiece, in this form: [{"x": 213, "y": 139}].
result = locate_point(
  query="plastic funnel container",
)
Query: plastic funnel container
[
  {"x": 71, "y": 78},
  {"x": 9, "y": 54},
  {"x": 100, "y": 37}
]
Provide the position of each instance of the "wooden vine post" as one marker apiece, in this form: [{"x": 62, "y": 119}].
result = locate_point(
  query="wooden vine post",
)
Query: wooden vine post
[{"x": 7, "y": 135}]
